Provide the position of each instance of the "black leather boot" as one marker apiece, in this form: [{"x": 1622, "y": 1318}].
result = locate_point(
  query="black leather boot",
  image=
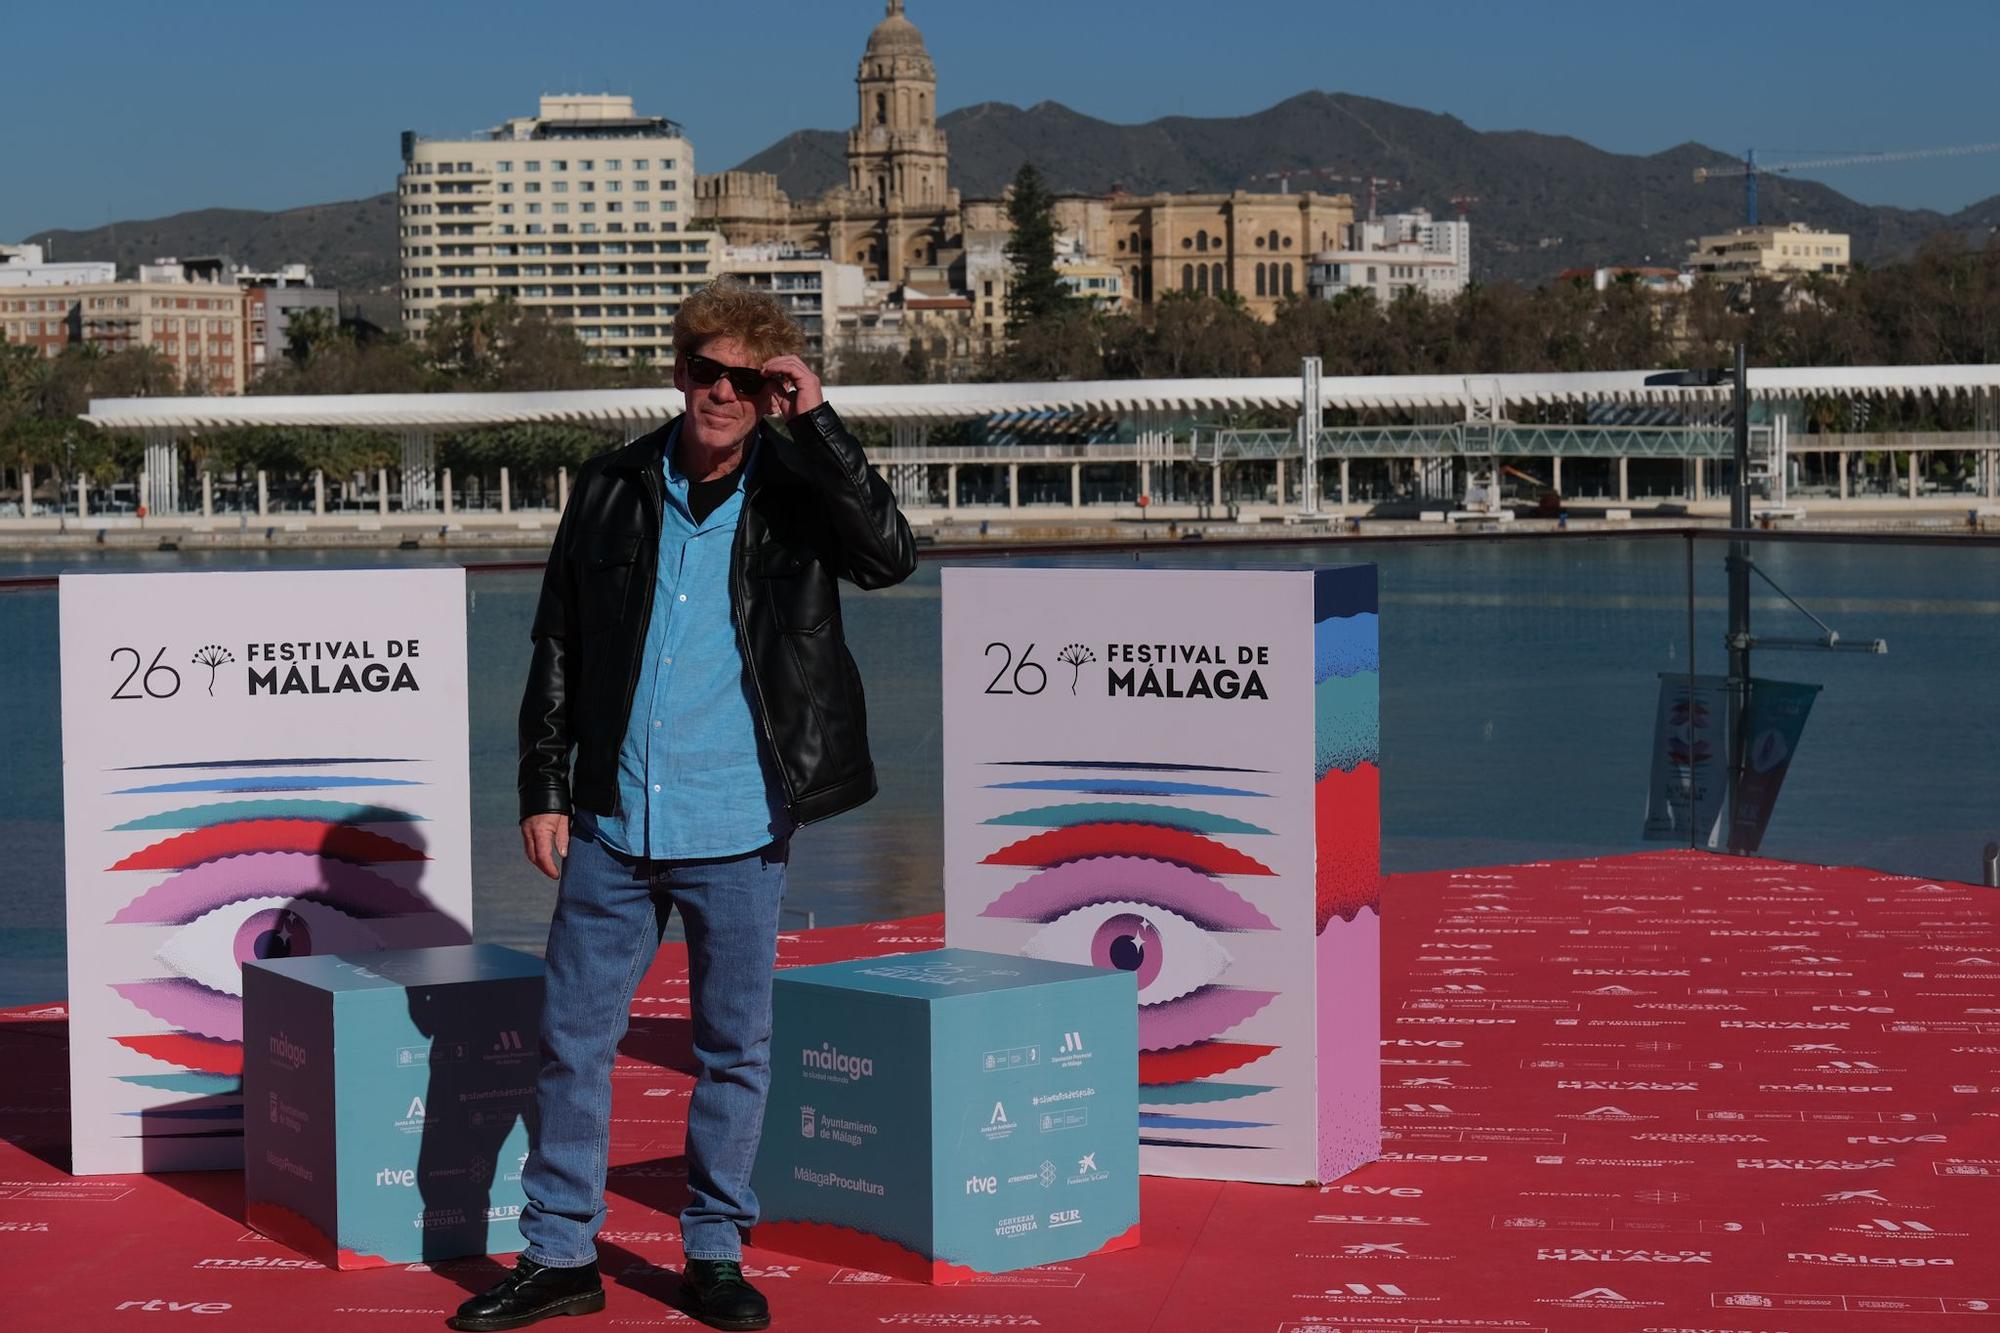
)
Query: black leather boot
[
  {"x": 531, "y": 1292},
  {"x": 714, "y": 1292}
]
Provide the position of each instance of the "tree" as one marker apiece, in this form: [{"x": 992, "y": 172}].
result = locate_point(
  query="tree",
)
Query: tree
[
  {"x": 872, "y": 365},
  {"x": 1034, "y": 291},
  {"x": 1064, "y": 345}
]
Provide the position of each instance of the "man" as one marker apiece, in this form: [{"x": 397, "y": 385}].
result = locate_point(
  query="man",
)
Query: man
[{"x": 687, "y": 648}]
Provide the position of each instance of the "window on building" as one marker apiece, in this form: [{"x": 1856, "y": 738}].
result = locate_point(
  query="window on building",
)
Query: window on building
[{"x": 1260, "y": 276}]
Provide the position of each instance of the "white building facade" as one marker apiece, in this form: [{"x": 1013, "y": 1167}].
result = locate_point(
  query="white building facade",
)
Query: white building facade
[
  {"x": 577, "y": 211},
  {"x": 23, "y": 266},
  {"x": 1389, "y": 256}
]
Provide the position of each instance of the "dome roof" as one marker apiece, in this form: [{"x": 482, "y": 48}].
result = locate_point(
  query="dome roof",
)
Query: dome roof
[{"x": 895, "y": 34}]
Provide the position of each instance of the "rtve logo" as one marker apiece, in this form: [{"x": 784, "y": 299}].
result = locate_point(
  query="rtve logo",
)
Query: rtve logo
[
  {"x": 982, "y": 1185},
  {"x": 390, "y": 1175}
]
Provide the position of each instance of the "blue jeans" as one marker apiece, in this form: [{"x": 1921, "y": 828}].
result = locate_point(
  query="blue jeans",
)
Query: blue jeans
[{"x": 609, "y": 917}]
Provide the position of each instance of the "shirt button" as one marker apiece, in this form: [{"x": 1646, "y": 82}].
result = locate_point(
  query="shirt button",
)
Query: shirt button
[
  {"x": 656, "y": 786},
  {"x": 684, "y": 597},
  {"x": 656, "y": 726}
]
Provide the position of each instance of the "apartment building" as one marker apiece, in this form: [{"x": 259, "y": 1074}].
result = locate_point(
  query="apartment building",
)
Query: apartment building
[
  {"x": 38, "y": 306},
  {"x": 578, "y": 211},
  {"x": 190, "y": 313},
  {"x": 1776, "y": 250},
  {"x": 24, "y": 266},
  {"x": 1389, "y": 256},
  {"x": 270, "y": 300},
  {"x": 813, "y": 288}
]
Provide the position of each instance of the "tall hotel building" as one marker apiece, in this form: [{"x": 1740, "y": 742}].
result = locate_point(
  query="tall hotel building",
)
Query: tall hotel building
[{"x": 578, "y": 211}]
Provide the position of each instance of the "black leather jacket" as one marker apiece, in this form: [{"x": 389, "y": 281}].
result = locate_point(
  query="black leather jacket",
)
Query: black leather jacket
[{"x": 812, "y": 510}]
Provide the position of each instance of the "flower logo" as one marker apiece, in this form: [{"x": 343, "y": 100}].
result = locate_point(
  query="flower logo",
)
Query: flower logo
[
  {"x": 1076, "y": 655},
  {"x": 212, "y": 656}
]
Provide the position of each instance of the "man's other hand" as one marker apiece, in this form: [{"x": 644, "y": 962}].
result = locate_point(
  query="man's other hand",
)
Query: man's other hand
[
  {"x": 793, "y": 387},
  {"x": 545, "y": 838}
]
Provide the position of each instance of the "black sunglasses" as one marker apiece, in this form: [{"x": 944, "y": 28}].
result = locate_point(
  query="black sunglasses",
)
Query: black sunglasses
[{"x": 748, "y": 381}]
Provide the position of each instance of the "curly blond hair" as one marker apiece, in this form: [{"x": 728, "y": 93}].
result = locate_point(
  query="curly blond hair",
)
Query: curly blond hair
[{"x": 726, "y": 308}]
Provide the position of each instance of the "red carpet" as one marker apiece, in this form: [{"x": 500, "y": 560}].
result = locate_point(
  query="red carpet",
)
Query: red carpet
[{"x": 1656, "y": 1092}]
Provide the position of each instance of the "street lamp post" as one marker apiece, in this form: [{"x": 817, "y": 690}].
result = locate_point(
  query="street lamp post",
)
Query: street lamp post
[
  {"x": 1739, "y": 589},
  {"x": 1737, "y": 639}
]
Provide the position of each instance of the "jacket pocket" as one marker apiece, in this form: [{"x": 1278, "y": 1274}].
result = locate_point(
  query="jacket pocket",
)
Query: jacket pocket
[
  {"x": 799, "y": 590},
  {"x": 604, "y": 584}
]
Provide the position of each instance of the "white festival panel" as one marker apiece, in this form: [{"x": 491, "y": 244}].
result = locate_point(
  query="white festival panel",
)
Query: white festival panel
[
  {"x": 255, "y": 765},
  {"x": 1174, "y": 772}
]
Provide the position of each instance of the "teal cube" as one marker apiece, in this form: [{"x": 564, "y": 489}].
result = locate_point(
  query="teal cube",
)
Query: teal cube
[
  {"x": 945, "y": 1114},
  {"x": 386, "y": 1101}
]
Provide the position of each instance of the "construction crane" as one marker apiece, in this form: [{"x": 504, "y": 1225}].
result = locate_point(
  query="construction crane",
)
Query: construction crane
[{"x": 1750, "y": 167}]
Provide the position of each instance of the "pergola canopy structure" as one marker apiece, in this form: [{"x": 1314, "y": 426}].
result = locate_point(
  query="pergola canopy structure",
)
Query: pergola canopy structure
[
  {"x": 1630, "y": 418},
  {"x": 926, "y": 403}
]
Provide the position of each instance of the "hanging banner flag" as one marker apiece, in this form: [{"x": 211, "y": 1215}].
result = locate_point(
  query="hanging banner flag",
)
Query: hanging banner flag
[
  {"x": 1690, "y": 761},
  {"x": 255, "y": 765},
  {"x": 1773, "y": 721}
]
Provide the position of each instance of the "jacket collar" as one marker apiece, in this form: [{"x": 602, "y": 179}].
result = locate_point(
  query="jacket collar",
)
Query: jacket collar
[{"x": 648, "y": 452}]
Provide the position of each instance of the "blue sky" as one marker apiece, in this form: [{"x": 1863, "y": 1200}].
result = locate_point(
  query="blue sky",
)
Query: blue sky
[{"x": 150, "y": 108}]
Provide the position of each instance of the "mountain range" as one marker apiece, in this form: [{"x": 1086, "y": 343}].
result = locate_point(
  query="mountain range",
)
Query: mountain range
[{"x": 1539, "y": 203}]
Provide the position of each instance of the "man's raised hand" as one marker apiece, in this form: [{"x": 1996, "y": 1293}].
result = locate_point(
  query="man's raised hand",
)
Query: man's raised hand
[{"x": 792, "y": 387}]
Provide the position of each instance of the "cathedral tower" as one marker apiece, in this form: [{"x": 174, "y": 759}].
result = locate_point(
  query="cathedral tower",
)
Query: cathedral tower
[{"x": 896, "y": 156}]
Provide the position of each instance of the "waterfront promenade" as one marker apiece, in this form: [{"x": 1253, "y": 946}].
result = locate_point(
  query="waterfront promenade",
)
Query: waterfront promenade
[{"x": 1213, "y": 453}]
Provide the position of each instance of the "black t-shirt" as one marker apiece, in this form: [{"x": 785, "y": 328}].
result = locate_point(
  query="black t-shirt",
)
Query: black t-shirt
[{"x": 705, "y": 497}]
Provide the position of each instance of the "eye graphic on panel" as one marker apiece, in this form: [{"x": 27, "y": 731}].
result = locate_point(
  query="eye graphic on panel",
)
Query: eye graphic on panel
[
  {"x": 1347, "y": 780},
  {"x": 253, "y": 876},
  {"x": 1138, "y": 885}
]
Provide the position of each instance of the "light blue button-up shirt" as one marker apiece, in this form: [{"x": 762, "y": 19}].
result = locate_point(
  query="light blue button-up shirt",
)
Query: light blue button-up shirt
[{"x": 693, "y": 776}]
